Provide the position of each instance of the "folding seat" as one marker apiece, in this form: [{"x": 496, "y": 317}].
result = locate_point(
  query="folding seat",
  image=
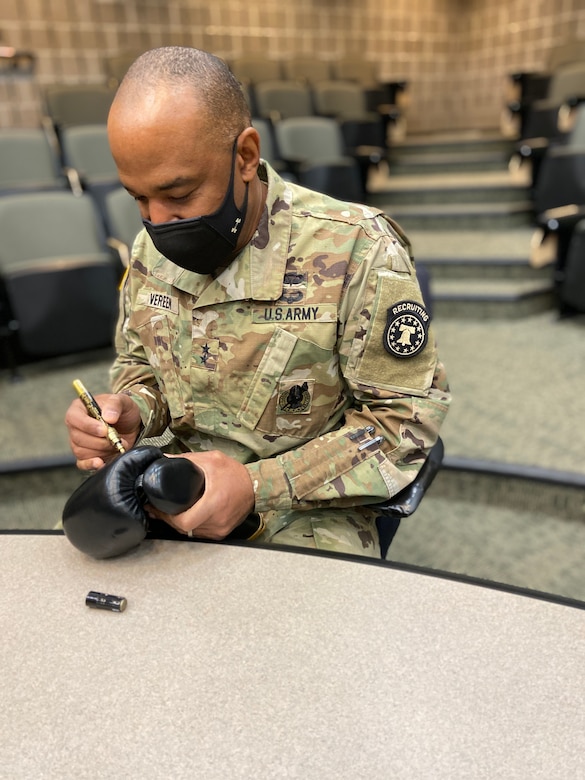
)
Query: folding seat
[
  {"x": 281, "y": 99},
  {"x": 66, "y": 105},
  {"x": 357, "y": 69},
  {"x": 550, "y": 120},
  {"x": 314, "y": 150},
  {"x": 268, "y": 149},
  {"x": 307, "y": 69},
  {"x": 255, "y": 70},
  {"x": 28, "y": 162},
  {"x": 559, "y": 203},
  {"x": 364, "y": 132},
  {"x": 116, "y": 65},
  {"x": 571, "y": 280},
  {"x": 565, "y": 86},
  {"x": 390, "y": 99},
  {"x": 561, "y": 179},
  {"x": 88, "y": 162},
  {"x": 251, "y": 71},
  {"x": 122, "y": 222},
  {"x": 58, "y": 280}
]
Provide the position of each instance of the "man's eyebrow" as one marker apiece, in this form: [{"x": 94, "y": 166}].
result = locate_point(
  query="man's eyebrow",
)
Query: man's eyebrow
[{"x": 180, "y": 181}]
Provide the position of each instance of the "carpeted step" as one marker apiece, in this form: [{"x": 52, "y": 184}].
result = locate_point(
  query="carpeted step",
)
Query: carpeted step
[
  {"x": 486, "y": 268},
  {"x": 491, "y": 298},
  {"x": 463, "y": 187},
  {"x": 426, "y": 163},
  {"x": 477, "y": 254},
  {"x": 460, "y": 216},
  {"x": 452, "y": 144}
]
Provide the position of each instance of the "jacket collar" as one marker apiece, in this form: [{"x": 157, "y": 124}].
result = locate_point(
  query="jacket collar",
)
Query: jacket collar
[{"x": 257, "y": 273}]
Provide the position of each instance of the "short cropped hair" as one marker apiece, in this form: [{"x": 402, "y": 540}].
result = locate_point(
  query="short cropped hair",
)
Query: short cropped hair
[{"x": 209, "y": 76}]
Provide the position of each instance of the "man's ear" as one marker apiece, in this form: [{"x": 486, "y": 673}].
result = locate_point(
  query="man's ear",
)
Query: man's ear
[{"x": 249, "y": 153}]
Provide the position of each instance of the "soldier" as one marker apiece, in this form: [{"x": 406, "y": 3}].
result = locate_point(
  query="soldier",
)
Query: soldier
[{"x": 280, "y": 334}]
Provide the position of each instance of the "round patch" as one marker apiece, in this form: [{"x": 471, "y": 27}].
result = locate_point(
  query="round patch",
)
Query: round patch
[
  {"x": 294, "y": 400},
  {"x": 407, "y": 329}
]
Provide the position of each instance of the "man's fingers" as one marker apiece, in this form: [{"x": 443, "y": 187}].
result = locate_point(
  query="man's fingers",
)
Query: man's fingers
[{"x": 90, "y": 464}]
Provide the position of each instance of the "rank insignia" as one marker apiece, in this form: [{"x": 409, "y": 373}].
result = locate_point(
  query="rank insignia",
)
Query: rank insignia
[
  {"x": 205, "y": 353},
  {"x": 407, "y": 329},
  {"x": 294, "y": 399}
]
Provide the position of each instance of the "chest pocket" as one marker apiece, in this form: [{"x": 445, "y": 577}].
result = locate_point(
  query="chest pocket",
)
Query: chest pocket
[
  {"x": 297, "y": 387},
  {"x": 158, "y": 339}
]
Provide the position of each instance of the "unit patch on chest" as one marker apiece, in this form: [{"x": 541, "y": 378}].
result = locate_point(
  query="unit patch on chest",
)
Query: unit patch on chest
[{"x": 294, "y": 397}]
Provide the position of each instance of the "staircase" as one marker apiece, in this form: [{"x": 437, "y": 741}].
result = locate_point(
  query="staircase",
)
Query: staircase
[{"x": 470, "y": 222}]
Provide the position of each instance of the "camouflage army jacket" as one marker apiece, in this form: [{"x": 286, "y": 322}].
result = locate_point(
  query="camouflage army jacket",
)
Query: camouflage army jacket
[{"x": 311, "y": 358}]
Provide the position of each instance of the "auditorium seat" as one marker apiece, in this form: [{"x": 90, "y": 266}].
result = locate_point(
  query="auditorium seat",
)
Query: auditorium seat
[
  {"x": 549, "y": 120},
  {"x": 561, "y": 180},
  {"x": 307, "y": 69},
  {"x": 282, "y": 99},
  {"x": 346, "y": 102},
  {"x": 559, "y": 203},
  {"x": 88, "y": 162},
  {"x": 58, "y": 279},
  {"x": 122, "y": 222},
  {"x": 67, "y": 105},
  {"x": 314, "y": 150},
  {"x": 268, "y": 147},
  {"x": 254, "y": 70},
  {"x": 116, "y": 65},
  {"x": 571, "y": 279},
  {"x": 28, "y": 162}
]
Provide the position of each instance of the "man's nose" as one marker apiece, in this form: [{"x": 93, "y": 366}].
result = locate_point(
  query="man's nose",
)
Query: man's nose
[{"x": 158, "y": 212}]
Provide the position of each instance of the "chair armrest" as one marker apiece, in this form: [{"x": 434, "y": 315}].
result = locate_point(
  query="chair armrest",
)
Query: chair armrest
[
  {"x": 121, "y": 249},
  {"x": 367, "y": 154},
  {"x": 74, "y": 180},
  {"x": 562, "y": 218}
]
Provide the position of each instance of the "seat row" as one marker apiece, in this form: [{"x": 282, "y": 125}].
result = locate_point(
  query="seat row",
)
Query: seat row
[
  {"x": 70, "y": 108},
  {"x": 59, "y": 278},
  {"x": 254, "y": 69},
  {"x": 559, "y": 204},
  {"x": 59, "y": 282},
  {"x": 542, "y": 110}
]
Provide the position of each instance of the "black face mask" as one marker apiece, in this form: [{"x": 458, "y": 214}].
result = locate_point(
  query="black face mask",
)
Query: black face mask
[{"x": 202, "y": 244}]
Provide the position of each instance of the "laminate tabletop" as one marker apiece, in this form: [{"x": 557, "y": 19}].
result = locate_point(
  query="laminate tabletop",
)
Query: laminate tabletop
[{"x": 235, "y": 661}]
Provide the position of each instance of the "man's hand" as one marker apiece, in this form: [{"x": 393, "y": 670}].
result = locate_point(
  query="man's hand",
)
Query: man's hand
[
  {"x": 228, "y": 498},
  {"x": 88, "y": 437}
]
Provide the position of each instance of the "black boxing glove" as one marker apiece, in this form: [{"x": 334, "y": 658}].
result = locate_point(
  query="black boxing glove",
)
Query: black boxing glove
[
  {"x": 105, "y": 516},
  {"x": 173, "y": 485}
]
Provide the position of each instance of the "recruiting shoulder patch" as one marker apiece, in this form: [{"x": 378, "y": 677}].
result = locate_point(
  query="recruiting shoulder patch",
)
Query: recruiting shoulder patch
[{"x": 407, "y": 329}]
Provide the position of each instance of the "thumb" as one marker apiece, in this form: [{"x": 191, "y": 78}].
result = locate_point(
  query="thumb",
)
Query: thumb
[{"x": 112, "y": 410}]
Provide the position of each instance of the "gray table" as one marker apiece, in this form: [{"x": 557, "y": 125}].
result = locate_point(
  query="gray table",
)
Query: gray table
[{"x": 234, "y": 662}]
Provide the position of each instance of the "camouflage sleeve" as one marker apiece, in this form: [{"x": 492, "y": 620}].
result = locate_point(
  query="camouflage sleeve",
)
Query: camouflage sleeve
[
  {"x": 131, "y": 372},
  {"x": 399, "y": 397}
]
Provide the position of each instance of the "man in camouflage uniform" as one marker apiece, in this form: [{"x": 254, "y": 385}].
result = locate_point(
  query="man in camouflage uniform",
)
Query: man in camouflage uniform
[{"x": 299, "y": 371}]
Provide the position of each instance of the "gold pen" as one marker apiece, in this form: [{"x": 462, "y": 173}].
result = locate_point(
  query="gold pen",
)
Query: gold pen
[{"x": 94, "y": 410}]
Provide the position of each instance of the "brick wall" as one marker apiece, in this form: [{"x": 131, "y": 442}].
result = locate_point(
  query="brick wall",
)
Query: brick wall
[{"x": 455, "y": 54}]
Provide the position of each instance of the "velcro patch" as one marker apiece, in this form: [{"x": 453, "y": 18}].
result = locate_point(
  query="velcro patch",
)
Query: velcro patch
[
  {"x": 323, "y": 312},
  {"x": 158, "y": 300},
  {"x": 407, "y": 329},
  {"x": 295, "y": 397}
]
